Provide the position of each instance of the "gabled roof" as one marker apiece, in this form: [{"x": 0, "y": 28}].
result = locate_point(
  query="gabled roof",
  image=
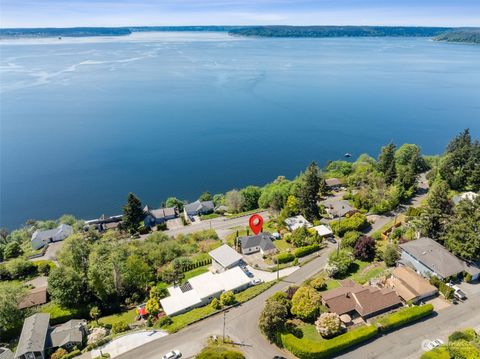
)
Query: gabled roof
[
  {"x": 434, "y": 256},
  {"x": 160, "y": 212},
  {"x": 198, "y": 206},
  {"x": 34, "y": 334},
  {"x": 49, "y": 233},
  {"x": 333, "y": 182},
  {"x": 69, "y": 332},
  {"x": 262, "y": 240},
  {"x": 323, "y": 230},
  {"x": 225, "y": 255},
  {"x": 409, "y": 285},
  {"x": 365, "y": 300}
]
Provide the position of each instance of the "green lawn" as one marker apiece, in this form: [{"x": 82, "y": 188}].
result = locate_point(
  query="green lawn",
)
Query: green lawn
[
  {"x": 182, "y": 320},
  {"x": 310, "y": 332},
  {"x": 194, "y": 272},
  {"x": 128, "y": 317},
  {"x": 363, "y": 276},
  {"x": 282, "y": 245},
  {"x": 252, "y": 292},
  {"x": 332, "y": 284}
]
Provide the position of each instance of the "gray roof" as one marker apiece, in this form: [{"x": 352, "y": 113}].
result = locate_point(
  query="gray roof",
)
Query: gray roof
[
  {"x": 199, "y": 206},
  {"x": 434, "y": 256},
  {"x": 464, "y": 196},
  {"x": 34, "y": 334},
  {"x": 69, "y": 332},
  {"x": 225, "y": 255},
  {"x": 262, "y": 240},
  {"x": 161, "y": 212},
  {"x": 49, "y": 233},
  {"x": 6, "y": 353},
  {"x": 333, "y": 182},
  {"x": 337, "y": 206}
]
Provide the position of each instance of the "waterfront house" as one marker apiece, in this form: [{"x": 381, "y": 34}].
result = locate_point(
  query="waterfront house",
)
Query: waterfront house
[
  {"x": 41, "y": 238},
  {"x": 104, "y": 223},
  {"x": 333, "y": 184},
  {"x": 257, "y": 243},
  {"x": 154, "y": 217},
  {"x": 198, "y": 208}
]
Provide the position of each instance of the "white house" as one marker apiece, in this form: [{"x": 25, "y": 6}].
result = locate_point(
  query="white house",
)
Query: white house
[
  {"x": 297, "y": 222},
  {"x": 41, "y": 238},
  {"x": 471, "y": 196},
  {"x": 323, "y": 231},
  {"x": 259, "y": 243},
  {"x": 201, "y": 290},
  {"x": 224, "y": 257}
]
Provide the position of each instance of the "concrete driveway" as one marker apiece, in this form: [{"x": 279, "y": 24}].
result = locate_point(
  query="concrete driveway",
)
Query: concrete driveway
[
  {"x": 128, "y": 342},
  {"x": 269, "y": 276}
]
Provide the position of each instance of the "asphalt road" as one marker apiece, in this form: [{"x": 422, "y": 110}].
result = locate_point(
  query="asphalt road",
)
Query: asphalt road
[{"x": 241, "y": 324}]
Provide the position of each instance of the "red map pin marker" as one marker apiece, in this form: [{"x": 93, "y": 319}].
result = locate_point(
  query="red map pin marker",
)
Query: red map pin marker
[{"x": 256, "y": 223}]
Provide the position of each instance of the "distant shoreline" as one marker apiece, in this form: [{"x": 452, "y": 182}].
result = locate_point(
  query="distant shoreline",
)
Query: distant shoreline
[{"x": 445, "y": 34}]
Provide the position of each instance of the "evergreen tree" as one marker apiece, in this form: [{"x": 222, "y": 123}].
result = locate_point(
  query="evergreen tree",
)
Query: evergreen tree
[
  {"x": 308, "y": 192},
  {"x": 387, "y": 164},
  {"x": 133, "y": 214},
  {"x": 437, "y": 210}
]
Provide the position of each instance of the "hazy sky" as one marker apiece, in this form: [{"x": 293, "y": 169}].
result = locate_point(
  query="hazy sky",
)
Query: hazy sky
[{"x": 64, "y": 13}]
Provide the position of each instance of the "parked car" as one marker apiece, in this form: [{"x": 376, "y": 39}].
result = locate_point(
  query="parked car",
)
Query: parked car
[
  {"x": 174, "y": 354},
  {"x": 459, "y": 295},
  {"x": 278, "y": 357},
  {"x": 434, "y": 344},
  {"x": 332, "y": 240},
  {"x": 256, "y": 281}
]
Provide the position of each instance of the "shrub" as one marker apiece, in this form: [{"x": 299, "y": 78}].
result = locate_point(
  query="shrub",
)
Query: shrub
[
  {"x": 463, "y": 349},
  {"x": 219, "y": 352},
  {"x": 44, "y": 267},
  {"x": 307, "y": 349},
  {"x": 273, "y": 318},
  {"x": 303, "y": 251},
  {"x": 19, "y": 268},
  {"x": 120, "y": 327},
  {"x": 302, "y": 237},
  {"x": 227, "y": 298},
  {"x": 306, "y": 303},
  {"x": 365, "y": 249},
  {"x": 164, "y": 321},
  {"x": 339, "y": 263},
  {"x": 350, "y": 239},
  {"x": 355, "y": 222},
  {"x": 284, "y": 258},
  {"x": 12, "y": 250},
  {"x": 390, "y": 255},
  {"x": 329, "y": 325},
  {"x": 467, "y": 334},
  {"x": 404, "y": 316},
  {"x": 438, "y": 353},
  {"x": 468, "y": 278},
  {"x": 59, "y": 353},
  {"x": 215, "y": 304},
  {"x": 442, "y": 287},
  {"x": 318, "y": 283},
  {"x": 97, "y": 344},
  {"x": 152, "y": 307}
]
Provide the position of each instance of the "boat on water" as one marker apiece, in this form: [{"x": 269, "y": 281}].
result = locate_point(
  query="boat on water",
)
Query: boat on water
[{"x": 347, "y": 155}]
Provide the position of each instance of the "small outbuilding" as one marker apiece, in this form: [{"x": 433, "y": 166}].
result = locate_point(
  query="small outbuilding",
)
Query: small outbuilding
[{"x": 323, "y": 231}]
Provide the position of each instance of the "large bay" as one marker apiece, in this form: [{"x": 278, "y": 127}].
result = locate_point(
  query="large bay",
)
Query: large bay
[{"x": 85, "y": 121}]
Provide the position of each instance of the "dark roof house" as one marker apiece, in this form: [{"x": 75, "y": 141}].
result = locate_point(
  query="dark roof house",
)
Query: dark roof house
[
  {"x": 5, "y": 353},
  {"x": 257, "y": 243},
  {"x": 198, "y": 207},
  {"x": 429, "y": 257},
  {"x": 367, "y": 301},
  {"x": 34, "y": 337},
  {"x": 158, "y": 216},
  {"x": 36, "y": 296},
  {"x": 68, "y": 334}
]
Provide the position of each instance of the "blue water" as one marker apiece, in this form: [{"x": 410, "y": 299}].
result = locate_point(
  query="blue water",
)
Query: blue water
[{"x": 85, "y": 121}]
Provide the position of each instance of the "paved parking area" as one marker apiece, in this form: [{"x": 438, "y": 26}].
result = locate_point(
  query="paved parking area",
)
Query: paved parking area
[
  {"x": 470, "y": 289},
  {"x": 269, "y": 276},
  {"x": 175, "y": 223},
  {"x": 128, "y": 342},
  {"x": 438, "y": 303}
]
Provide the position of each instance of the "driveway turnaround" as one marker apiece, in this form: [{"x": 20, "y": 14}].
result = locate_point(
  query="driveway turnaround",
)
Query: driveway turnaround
[{"x": 128, "y": 342}]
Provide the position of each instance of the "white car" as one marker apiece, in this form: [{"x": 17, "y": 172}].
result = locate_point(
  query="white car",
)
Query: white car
[
  {"x": 434, "y": 344},
  {"x": 174, "y": 354},
  {"x": 256, "y": 281}
]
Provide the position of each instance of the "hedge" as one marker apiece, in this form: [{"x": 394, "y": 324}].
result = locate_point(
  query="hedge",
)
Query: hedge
[
  {"x": 303, "y": 251},
  {"x": 404, "y": 316},
  {"x": 438, "y": 353},
  {"x": 97, "y": 344},
  {"x": 284, "y": 258},
  {"x": 307, "y": 349}
]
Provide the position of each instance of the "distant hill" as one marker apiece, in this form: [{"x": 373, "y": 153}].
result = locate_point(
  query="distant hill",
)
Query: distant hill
[
  {"x": 471, "y": 36},
  {"x": 340, "y": 31},
  {"x": 64, "y": 32}
]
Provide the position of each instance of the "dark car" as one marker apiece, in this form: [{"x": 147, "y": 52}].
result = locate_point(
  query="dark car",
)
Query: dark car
[{"x": 278, "y": 357}]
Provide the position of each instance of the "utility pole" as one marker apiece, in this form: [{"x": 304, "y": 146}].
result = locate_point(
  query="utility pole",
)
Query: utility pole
[{"x": 224, "y": 322}]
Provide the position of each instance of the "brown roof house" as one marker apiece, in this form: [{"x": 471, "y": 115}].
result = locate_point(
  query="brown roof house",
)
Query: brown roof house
[
  {"x": 36, "y": 296},
  {"x": 356, "y": 300},
  {"x": 410, "y": 286}
]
